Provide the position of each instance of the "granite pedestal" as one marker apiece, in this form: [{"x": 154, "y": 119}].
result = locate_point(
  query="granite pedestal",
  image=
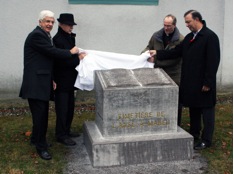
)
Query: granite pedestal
[{"x": 136, "y": 119}]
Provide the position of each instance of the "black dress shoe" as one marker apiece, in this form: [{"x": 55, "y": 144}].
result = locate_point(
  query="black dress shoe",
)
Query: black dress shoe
[
  {"x": 73, "y": 135},
  {"x": 67, "y": 141},
  {"x": 44, "y": 154},
  {"x": 201, "y": 146}
]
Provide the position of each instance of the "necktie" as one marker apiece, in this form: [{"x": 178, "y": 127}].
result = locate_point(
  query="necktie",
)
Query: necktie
[
  {"x": 51, "y": 40},
  {"x": 194, "y": 35}
]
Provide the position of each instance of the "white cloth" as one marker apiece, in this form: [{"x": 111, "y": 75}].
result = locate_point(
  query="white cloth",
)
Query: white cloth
[{"x": 99, "y": 60}]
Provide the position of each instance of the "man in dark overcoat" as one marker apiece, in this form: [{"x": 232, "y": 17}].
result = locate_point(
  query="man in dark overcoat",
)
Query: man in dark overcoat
[
  {"x": 39, "y": 54},
  {"x": 200, "y": 53},
  {"x": 65, "y": 76}
]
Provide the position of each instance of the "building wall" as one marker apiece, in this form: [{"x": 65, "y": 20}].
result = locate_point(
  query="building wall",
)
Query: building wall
[{"x": 116, "y": 28}]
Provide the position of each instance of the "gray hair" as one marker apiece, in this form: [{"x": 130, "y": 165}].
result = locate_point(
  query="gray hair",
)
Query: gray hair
[{"x": 45, "y": 13}]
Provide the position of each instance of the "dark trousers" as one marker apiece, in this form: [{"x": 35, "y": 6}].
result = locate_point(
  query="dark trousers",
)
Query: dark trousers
[
  {"x": 180, "y": 108},
  {"x": 205, "y": 115},
  {"x": 39, "y": 110},
  {"x": 64, "y": 106}
]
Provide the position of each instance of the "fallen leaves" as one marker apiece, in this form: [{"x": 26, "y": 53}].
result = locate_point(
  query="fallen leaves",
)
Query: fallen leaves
[
  {"x": 16, "y": 171},
  {"x": 28, "y": 133},
  {"x": 224, "y": 145},
  {"x": 34, "y": 155}
]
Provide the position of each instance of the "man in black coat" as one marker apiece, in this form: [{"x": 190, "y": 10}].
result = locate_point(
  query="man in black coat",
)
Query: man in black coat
[
  {"x": 64, "y": 78},
  {"x": 200, "y": 53},
  {"x": 39, "y": 54}
]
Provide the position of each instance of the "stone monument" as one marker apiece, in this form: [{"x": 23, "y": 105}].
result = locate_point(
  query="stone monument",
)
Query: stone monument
[{"x": 136, "y": 119}]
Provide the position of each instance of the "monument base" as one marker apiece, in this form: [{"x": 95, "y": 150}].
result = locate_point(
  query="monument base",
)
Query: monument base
[{"x": 137, "y": 149}]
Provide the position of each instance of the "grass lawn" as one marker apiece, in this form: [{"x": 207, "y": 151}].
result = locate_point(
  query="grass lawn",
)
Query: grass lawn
[
  {"x": 220, "y": 154},
  {"x": 18, "y": 157}
]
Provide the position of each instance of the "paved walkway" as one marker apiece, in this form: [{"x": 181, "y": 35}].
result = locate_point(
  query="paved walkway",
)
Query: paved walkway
[{"x": 79, "y": 163}]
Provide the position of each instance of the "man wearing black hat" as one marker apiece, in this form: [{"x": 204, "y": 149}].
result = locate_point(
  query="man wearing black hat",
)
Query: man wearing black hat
[
  {"x": 39, "y": 55},
  {"x": 64, "y": 78}
]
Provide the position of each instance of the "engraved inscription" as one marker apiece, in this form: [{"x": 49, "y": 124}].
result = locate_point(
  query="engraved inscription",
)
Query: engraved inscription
[{"x": 140, "y": 119}]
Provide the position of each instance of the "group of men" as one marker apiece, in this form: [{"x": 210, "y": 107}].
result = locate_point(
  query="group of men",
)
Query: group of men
[
  {"x": 49, "y": 74},
  {"x": 200, "y": 54}
]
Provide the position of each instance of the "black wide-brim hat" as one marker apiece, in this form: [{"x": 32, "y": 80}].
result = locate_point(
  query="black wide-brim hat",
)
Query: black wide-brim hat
[{"x": 66, "y": 18}]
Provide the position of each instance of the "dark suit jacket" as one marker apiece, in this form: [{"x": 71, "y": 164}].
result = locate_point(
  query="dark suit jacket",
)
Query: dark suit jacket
[
  {"x": 38, "y": 65},
  {"x": 200, "y": 62},
  {"x": 64, "y": 69}
]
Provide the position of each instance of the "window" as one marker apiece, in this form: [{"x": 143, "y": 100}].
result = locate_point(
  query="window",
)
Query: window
[{"x": 130, "y": 2}]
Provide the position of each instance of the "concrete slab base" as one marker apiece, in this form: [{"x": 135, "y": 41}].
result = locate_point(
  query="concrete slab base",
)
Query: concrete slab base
[{"x": 138, "y": 149}]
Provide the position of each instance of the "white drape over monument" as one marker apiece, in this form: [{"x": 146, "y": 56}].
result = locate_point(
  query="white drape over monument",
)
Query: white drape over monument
[{"x": 100, "y": 60}]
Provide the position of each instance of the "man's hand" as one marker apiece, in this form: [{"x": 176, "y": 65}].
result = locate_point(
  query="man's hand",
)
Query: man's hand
[
  {"x": 152, "y": 54},
  {"x": 205, "y": 88},
  {"x": 151, "y": 59},
  {"x": 54, "y": 85},
  {"x": 74, "y": 50},
  {"x": 82, "y": 55}
]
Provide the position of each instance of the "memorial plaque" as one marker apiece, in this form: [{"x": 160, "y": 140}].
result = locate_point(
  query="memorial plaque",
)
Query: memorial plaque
[{"x": 138, "y": 101}]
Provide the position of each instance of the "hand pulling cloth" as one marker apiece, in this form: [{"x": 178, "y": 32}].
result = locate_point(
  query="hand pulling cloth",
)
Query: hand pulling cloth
[{"x": 100, "y": 60}]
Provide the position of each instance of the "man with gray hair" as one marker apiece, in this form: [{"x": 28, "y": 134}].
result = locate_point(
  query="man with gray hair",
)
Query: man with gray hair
[{"x": 37, "y": 85}]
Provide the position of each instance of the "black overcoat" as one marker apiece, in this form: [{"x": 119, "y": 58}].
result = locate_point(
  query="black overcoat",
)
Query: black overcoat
[
  {"x": 200, "y": 61},
  {"x": 64, "y": 70},
  {"x": 38, "y": 65}
]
